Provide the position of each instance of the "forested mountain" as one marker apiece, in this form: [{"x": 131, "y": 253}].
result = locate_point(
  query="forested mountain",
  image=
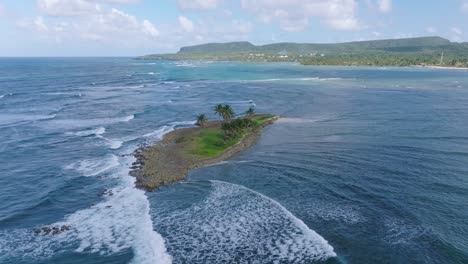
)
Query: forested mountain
[{"x": 397, "y": 52}]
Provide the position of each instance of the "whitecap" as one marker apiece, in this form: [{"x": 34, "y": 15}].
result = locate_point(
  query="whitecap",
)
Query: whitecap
[
  {"x": 88, "y": 132},
  {"x": 181, "y": 123},
  {"x": 294, "y": 79},
  {"x": 3, "y": 95},
  {"x": 114, "y": 144},
  {"x": 234, "y": 219},
  {"x": 399, "y": 232},
  {"x": 185, "y": 64},
  {"x": 94, "y": 167},
  {"x": 159, "y": 133},
  {"x": 6, "y": 119},
  {"x": 79, "y": 123},
  {"x": 122, "y": 221}
]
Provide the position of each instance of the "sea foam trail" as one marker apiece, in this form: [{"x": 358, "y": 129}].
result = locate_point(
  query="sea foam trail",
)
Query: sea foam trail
[
  {"x": 8, "y": 119},
  {"x": 237, "y": 225},
  {"x": 294, "y": 79},
  {"x": 88, "y": 132},
  {"x": 92, "y": 167},
  {"x": 82, "y": 123},
  {"x": 120, "y": 222}
]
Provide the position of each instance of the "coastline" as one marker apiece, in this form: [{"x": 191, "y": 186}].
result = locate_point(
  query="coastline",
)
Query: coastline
[
  {"x": 313, "y": 65},
  {"x": 442, "y": 67},
  {"x": 168, "y": 161}
]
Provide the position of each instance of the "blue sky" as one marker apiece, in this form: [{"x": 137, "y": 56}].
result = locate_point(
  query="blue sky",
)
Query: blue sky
[{"x": 135, "y": 27}]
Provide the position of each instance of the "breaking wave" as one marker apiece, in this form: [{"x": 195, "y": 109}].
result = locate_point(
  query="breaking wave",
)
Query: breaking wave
[
  {"x": 237, "y": 225},
  {"x": 294, "y": 79},
  {"x": 88, "y": 132},
  {"x": 80, "y": 123},
  {"x": 92, "y": 167},
  {"x": 8, "y": 119}
]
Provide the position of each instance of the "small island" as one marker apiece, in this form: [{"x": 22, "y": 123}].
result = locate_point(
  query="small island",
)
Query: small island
[{"x": 210, "y": 142}]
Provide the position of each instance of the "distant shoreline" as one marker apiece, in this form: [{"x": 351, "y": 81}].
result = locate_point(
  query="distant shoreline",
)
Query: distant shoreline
[
  {"x": 170, "y": 159},
  {"x": 441, "y": 67},
  {"x": 313, "y": 65}
]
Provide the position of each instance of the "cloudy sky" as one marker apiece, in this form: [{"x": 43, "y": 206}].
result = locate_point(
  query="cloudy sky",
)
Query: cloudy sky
[{"x": 135, "y": 27}]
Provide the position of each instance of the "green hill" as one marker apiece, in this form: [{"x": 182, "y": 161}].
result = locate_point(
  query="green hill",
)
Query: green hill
[{"x": 396, "y": 52}]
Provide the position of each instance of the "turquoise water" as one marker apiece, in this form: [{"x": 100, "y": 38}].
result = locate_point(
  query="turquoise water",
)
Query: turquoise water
[{"x": 370, "y": 165}]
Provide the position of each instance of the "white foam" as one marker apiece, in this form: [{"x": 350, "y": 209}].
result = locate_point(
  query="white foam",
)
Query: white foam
[
  {"x": 114, "y": 144},
  {"x": 299, "y": 120},
  {"x": 88, "y": 132},
  {"x": 181, "y": 123},
  {"x": 230, "y": 162},
  {"x": 6, "y": 119},
  {"x": 159, "y": 133},
  {"x": 151, "y": 73},
  {"x": 122, "y": 221},
  {"x": 295, "y": 79},
  {"x": 93, "y": 167},
  {"x": 233, "y": 220},
  {"x": 403, "y": 233},
  {"x": 3, "y": 95},
  {"x": 185, "y": 64},
  {"x": 80, "y": 123}
]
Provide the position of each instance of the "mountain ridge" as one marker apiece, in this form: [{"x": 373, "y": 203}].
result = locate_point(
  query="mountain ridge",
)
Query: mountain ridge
[{"x": 432, "y": 50}]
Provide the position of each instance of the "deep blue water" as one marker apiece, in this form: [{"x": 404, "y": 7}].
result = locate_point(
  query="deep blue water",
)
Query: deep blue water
[{"x": 370, "y": 165}]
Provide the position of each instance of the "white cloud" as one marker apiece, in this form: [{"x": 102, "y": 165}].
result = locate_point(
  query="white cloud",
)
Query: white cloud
[
  {"x": 67, "y": 7},
  {"x": 186, "y": 24},
  {"x": 294, "y": 15},
  {"x": 150, "y": 29},
  {"x": 464, "y": 6},
  {"x": 123, "y": 1},
  {"x": 431, "y": 30},
  {"x": 242, "y": 27},
  {"x": 39, "y": 24},
  {"x": 385, "y": 6},
  {"x": 456, "y": 34},
  {"x": 197, "y": 4},
  {"x": 456, "y": 31},
  {"x": 86, "y": 22}
]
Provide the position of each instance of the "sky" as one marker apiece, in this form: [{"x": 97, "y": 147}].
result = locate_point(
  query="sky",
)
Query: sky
[{"x": 138, "y": 27}]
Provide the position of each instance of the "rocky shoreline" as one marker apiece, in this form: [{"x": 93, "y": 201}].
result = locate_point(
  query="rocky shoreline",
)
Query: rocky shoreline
[{"x": 165, "y": 161}]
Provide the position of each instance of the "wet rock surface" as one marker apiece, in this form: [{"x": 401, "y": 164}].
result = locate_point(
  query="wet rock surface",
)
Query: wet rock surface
[{"x": 51, "y": 230}]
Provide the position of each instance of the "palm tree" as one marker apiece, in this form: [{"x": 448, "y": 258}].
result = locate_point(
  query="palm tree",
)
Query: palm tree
[
  {"x": 250, "y": 111},
  {"x": 228, "y": 112},
  {"x": 219, "y": 109},
  {"x": 201, "y": 120}
]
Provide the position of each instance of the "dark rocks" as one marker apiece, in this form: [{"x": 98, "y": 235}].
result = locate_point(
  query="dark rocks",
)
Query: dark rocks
[
  {"x": 106, "y": 192},
  {"x": 54, "y": 230}
]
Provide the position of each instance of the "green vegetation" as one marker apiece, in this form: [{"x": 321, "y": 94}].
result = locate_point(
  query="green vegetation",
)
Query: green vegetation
[
  {"x": 224, "y": 111},
  {"x": 262, "y": 119},
  {"x": 201, "y": 120},
  {"x": 210, "y": 142},
  {"x": 217, "y": 137},
  {"x": 250, "y": 111},
  {"x": 237, "y": 127},
  {"x": 391, "y": 52}
]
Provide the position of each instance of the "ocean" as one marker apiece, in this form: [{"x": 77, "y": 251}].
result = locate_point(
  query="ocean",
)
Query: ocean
[{"x": 367, "y": 165}]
